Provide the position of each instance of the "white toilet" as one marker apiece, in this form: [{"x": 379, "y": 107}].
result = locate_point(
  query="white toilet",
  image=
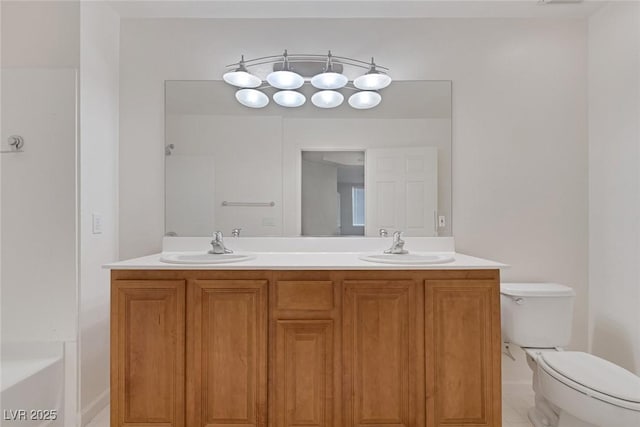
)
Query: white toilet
[{"x": 572, "y": 388}]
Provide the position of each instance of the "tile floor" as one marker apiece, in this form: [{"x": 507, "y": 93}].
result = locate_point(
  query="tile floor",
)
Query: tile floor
[{"x": 516, "y": 401}]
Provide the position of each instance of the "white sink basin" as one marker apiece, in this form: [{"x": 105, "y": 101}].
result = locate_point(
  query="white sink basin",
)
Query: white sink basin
[
  {"x": 410, "y": 258},
  {"x": 206, "y": 258}
]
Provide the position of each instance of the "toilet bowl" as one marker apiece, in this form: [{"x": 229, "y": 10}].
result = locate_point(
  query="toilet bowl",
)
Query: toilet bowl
[{"x": 572, "y": 389}]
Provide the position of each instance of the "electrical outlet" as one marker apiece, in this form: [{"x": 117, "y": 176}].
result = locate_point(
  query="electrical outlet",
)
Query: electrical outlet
[
  {"x": 442, "y": 222},
  {"x": 96, "y": 223}
]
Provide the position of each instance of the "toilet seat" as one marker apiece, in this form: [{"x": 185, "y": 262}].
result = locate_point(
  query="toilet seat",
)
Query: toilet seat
[{"x": 593, "y": 376}]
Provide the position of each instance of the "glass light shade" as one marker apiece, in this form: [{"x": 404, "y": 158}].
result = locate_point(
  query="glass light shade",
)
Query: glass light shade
[
  {"x": 372, "y": 81},
  {"x": 241, "y": 79},
  {"x": 329, "y": 80},
  {"x": 365, "y": 100},
  {"x": 252, "y": 98},
  {"x": 285, "y": 80},
  {"x": 289, "y": 98},
  {"x": 327, "y": 99}
]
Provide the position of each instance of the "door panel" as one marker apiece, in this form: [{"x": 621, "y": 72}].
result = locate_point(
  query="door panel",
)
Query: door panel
[
  {"x": 226, "y": 353},
  {"x": 401, "y": 187},
  {"x": 382, "y": 354},
  {"x": 304, "y": 373},
  {"x": 147, "y": 359},
  {"x": 463, "y": 339}
]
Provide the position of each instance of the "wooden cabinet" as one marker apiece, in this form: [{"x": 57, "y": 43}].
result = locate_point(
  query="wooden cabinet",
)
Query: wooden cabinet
[
  {"x": 383, "y": 358},
  {"x": 313, "y": 348},
  {"x": 147, "y": 353},
  {"x": 462, "y": 319},
  {"x": 306, "y": 357},
  {"x": 227, "y": 353}
]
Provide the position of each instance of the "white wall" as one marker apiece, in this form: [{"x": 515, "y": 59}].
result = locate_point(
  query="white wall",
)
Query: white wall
[
  {"x": 99, "y": 48},
  {"x": 614, "y": 183},
  {"x": 519, "y": 123},
  {"x": 39, "y": 206},
  {"x": 39, "y": 186},
  {"x": 40, "y": 58}
]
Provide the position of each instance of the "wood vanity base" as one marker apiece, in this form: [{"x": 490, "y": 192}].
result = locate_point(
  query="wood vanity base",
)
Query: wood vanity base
[{"x": 249, "y": 348}]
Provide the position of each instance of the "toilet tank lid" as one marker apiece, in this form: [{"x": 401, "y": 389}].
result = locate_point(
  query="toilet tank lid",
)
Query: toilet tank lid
[{"x": 536, "y": 290}]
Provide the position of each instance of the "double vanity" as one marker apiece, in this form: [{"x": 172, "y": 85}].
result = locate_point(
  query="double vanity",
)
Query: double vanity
[{"x": 305, "y": 332}]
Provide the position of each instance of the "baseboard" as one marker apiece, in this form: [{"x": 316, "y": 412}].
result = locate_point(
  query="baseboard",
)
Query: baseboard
[{"x": 94, "y": 408}]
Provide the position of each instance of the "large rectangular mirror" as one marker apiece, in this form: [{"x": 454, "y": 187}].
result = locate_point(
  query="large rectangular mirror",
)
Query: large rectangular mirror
[{"x": 232, "y": 167}]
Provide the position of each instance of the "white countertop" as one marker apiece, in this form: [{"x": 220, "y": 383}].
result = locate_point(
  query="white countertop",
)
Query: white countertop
[{"x": 306, "y": 261}]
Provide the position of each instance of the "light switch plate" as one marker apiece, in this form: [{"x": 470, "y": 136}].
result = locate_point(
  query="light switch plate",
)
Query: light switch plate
[
  {"x": 96, "y": 227},
  {"x": 442, "y": 222}
]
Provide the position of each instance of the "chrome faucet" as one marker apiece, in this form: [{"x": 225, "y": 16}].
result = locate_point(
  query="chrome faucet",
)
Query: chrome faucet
[
  {"x": 397, "y": 247},
  {"x": 217, "y": 245},
  {"x": 382, "y": 232},
  {"x": 236, "y": 232}
]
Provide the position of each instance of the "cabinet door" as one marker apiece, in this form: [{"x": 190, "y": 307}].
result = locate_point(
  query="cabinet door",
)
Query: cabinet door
[
  {"x": 147, "y": 353},
  {"x": 462, "y": 319},
  {"x": 305, "y": 346},
  {"x": 226, "y": 353},
  {"x": 383, "y": 353},
  {"x": 304, "y": 373}
]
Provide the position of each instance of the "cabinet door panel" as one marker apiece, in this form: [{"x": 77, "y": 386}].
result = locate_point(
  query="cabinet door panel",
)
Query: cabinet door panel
[
  {"x": 147, "y": 353},
  {"x": 226, "y": 353},
  {"x": 463, "y": 339},
  {"x": 304, "y": 373},
  {"x": 382, "y": 353}
]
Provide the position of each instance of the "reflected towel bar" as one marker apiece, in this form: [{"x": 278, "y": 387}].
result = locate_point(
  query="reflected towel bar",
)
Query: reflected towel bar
[{"x": 249, "y": 204}]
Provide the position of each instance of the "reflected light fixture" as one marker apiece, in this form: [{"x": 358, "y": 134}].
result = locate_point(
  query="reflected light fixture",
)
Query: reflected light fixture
[
  {"x": 365, "y": 99},
  {"x": 289, "y": 98},
  {"x": 324, "y": 72},
  {"x": 252, "y": 98},
  {"x": 327, "y": 99}
]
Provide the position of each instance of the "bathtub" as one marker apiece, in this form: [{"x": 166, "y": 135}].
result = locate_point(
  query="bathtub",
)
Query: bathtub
[{"x": 32, "y": 385}]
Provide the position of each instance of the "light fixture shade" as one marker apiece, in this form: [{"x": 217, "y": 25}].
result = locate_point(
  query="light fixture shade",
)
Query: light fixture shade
[
  {"x": 327, "y": 99},
  {"x": 252, "y": 98},
  {"x": 365, "y": 100},
  {"x": 289, "y": 98},
  {"x": 329, "y": 80},
  {"x": 372, "y": 81},
  {"x": 285, "y": 80},
  {"x": 242, "y": 79}
]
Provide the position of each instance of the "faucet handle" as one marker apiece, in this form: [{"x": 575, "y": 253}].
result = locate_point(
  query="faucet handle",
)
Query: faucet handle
[
  {"x": 382, "y": 232},
  {"x": 236, "y": 232}
]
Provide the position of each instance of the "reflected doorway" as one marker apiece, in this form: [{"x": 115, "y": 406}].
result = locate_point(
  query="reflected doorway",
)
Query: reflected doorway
[{"x": 333, "y": 193}]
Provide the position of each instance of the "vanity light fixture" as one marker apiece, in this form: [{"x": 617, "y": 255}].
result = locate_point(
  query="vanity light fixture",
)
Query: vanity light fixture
[
  {"x": 293, "y": 71},
  {"x": 329, "y": 79},
  {"x": 373, "y": 80},
  {"x": 240, "y": 77},
  {"x": 285, "y": 78}
]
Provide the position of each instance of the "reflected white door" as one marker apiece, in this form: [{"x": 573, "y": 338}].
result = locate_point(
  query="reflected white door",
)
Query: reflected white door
[{"x": 401, "y": 190}]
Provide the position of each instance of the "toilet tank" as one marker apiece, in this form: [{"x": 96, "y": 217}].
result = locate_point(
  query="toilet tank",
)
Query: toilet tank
[{"x": 536, "y": 315}]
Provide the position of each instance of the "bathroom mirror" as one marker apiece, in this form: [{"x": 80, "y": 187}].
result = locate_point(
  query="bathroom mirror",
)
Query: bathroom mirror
[{"x": 231, "y": 167}]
